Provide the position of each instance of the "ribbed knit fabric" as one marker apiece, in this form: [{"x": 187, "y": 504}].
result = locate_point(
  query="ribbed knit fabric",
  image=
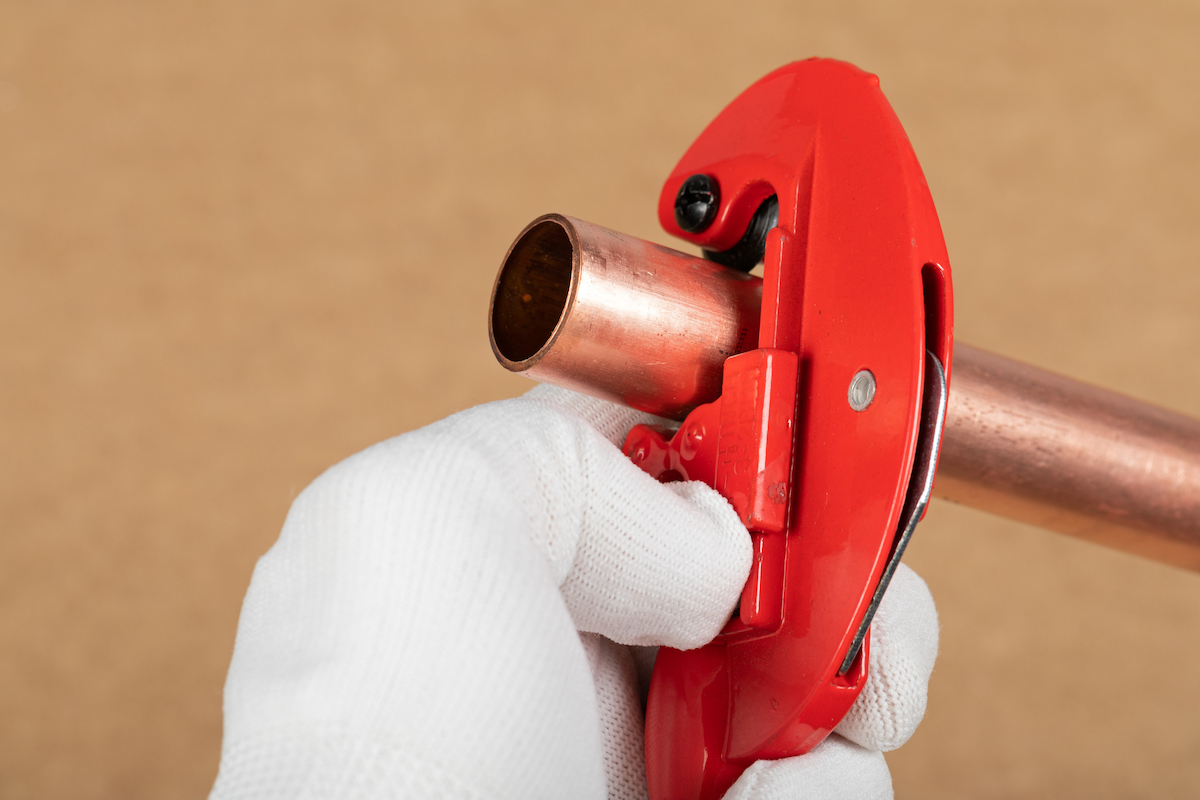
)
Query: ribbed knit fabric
[{"x": 446, "y": 614}]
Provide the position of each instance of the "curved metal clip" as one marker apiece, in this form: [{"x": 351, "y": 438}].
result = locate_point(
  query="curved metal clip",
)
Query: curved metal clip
[{"x": 920, "y": 486}]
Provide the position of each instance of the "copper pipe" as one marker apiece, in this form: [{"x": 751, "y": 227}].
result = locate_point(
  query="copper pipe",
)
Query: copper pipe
[
  {"x": 593, "y": 310},
  {"x": 620, "y": 318},
  {"x": 1033, "y": 446}
]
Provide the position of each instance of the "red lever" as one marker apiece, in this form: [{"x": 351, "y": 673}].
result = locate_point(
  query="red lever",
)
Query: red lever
[{"x": 814, "y": 437}]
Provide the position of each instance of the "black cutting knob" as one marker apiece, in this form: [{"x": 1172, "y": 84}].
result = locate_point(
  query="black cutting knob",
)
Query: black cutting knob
[{"x": 697, "y": 203}]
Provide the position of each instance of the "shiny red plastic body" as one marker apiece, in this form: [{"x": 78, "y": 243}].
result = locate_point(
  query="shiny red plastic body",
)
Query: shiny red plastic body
[{"x": 855, "y": 278}]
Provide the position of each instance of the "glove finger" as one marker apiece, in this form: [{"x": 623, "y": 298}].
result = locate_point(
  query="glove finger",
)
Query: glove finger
[
  {"x": 656, "y": 564},
  {"x": 904, "y": 644},
  {"x": 835, "y": 770},
  {"x": 638, "y": 561}
]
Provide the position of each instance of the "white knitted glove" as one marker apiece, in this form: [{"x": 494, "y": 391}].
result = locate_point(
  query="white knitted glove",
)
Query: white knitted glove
[{"x": 447, "y": 614}]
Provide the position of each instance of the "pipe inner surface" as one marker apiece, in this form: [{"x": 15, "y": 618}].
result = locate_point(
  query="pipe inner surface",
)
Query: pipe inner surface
[{"x": 532, "y": 291}]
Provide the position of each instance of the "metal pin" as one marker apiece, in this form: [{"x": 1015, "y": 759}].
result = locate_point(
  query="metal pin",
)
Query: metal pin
[{"x": 862, "y": 390}]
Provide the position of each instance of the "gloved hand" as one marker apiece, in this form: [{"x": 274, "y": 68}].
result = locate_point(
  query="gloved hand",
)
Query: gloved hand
[{"x": 457, "y": 612}]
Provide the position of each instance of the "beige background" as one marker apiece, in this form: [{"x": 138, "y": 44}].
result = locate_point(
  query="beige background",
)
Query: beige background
[{"x": 240, "y": 241}]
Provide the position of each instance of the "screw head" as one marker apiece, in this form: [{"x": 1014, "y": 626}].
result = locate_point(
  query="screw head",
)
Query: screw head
[
  {"x": 696, "y": 203},
  {"x": 862, "y": 390}
]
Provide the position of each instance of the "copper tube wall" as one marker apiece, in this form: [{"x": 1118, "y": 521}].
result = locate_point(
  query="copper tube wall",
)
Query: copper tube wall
[
  {"x": 617, "y": 317},
  {"x": 584, "y": 307},
  {"x": 1027, "y": 444}
]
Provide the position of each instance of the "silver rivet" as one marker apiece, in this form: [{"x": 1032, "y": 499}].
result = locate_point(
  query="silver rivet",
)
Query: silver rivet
[{"x": 862, "y": 390}]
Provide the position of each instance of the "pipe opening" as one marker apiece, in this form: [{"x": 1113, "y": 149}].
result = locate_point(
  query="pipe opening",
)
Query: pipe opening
[{"x": 532, "y": 290}]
